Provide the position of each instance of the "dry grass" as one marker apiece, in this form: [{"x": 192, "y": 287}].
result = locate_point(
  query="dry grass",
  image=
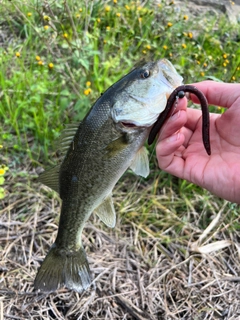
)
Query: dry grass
[{"x": 140, "y": 271}]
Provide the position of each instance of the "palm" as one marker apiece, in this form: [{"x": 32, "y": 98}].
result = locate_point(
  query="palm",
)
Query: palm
[
  {"x": 219, "y": 172},
  {"x": 183, "y": 154}
]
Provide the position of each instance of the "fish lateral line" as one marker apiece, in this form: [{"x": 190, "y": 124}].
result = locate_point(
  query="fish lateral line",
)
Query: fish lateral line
[{"x": 179, "y": 93}]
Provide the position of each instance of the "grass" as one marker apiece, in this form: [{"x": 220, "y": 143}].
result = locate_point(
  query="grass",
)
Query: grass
[{"x": 56, "y": 58}]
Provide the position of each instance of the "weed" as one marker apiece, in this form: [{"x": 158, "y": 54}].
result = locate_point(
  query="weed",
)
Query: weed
[{"x": 58, "y": 47}]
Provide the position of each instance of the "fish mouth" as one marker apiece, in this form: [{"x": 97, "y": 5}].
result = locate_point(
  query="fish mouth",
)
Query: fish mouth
[{"x": 129, "y": 124}]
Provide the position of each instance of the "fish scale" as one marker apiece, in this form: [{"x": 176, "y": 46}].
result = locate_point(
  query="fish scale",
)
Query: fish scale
[{"x": 108, "y": 141}]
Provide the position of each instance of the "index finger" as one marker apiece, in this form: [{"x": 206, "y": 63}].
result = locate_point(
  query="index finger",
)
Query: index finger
[{"x": 218, "y": 93}]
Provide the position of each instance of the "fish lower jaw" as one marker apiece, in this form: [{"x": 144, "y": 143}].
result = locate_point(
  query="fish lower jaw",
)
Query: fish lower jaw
[
  {"x": 131, "y": 125},
  {"x": 128, "y": 124}
]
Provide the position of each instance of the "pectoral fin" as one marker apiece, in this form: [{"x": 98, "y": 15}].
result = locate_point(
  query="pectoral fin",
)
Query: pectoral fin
[
  {"x": 106, "y": 212},
  {"x": 116, "y": 146},
  {"x": 140, "y": 164}
]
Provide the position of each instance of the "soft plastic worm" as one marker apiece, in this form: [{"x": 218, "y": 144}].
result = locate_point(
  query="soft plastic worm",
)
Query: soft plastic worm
[{"x": 179, "y": 93}]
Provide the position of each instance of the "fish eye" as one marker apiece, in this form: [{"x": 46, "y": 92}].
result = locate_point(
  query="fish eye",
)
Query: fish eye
[{"x": 145, "y": 74}]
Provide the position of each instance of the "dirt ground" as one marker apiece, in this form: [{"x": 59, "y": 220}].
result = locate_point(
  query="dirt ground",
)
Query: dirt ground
[{"x": 137, "y": 275}]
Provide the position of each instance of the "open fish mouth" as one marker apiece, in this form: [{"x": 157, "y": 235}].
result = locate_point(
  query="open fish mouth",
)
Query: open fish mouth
[{"x": 128, "y": 124}]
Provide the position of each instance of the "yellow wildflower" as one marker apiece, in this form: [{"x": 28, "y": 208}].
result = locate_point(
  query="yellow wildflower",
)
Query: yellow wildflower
[
  {"x": 184, "y": 46},
  {"x": 225, "y": 56},
  {"x": 170, "y": 54},
  {"x": 40, "y": 63},
  {"x": 80, "y": 10},
  {"x": 238, "y": 68},
  {"x": 140, "y": 19},
  {"x": 165, "y": 47},
  {"x": 148, "y": 47},
  {"x": 46, "y": 18},
  {"x": 205, "y": 64},
  {"x": 227, "y": 61},
  {"x": 50, "y": 65},
  {"x": 144, "y": 51},
  {"x": 17, "y": 54},
  {"x": 88, "y": 83},
  {"x": 190, "y": 35},
  {"x": 46, "y": 27},
  {"x": 87, "y": 91},
  {"x": 98, "y": 20},
  {"x": 38, "y": 58},
  {"x": 1, "y": 146},
  {"x": 29, "y": 14},
  {"x": 2, "y": 171},
  {"x": 127, "y": 7},
  {"x": 185, "y": 17},
  {"x": 202, "y": 74},
  {"x": 118, "y": 14},
  {"x": 78, "y": 15},
  {"x": 107, "y": 8},
  {"x": 115, "y": 1},
  {"x": 198, "y": 62},
  {"x": 224, "y": 64},
  {"x": 233, "y": 78},
  {"x": 65, "y": 35},
  {"x": 108, "y": 28},
  {"x": 169, "y": 24}
]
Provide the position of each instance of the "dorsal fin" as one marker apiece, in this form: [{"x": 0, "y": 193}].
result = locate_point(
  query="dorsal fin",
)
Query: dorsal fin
[
  {"x": 67, "y": 136},
  {"x": 50, "y": 178}
]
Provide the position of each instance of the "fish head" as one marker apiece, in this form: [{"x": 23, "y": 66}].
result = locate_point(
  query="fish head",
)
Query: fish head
[{"x": 142, "y": 95}]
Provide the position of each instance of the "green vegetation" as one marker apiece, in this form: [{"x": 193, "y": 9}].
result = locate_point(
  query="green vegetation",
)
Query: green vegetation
[{"x": 57, "y": 58}]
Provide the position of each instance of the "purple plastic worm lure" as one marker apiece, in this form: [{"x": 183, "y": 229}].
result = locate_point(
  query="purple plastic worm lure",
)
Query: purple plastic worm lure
[{"x": 179, "y": 92}]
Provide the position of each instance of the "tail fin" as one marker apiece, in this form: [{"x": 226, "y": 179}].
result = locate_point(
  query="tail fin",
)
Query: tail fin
[{"x": 63, "y": 268}]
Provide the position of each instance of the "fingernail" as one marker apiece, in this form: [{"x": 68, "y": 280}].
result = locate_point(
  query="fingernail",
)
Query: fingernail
[
  {"x": 174, "y": 137},
  {"x": 175, "y": 116}
]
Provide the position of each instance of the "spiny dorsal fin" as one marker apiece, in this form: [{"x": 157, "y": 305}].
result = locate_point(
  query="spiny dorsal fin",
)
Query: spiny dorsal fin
[
  {"x": 67, "y": 136},
  {"x": 140, "y": 164},
  {"x": 50, "y": 178},
  {"x": 106, "y": 212}
]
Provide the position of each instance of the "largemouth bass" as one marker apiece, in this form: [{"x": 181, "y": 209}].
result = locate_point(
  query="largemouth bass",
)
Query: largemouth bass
[{"x": 107, "y": 142}]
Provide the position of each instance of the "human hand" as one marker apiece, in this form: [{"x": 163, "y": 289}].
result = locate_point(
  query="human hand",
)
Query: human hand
[{"x": 180, "y": 149}]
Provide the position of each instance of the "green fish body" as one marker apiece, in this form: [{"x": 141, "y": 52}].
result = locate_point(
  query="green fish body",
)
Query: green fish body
[{"x": 107, "y": 142}]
